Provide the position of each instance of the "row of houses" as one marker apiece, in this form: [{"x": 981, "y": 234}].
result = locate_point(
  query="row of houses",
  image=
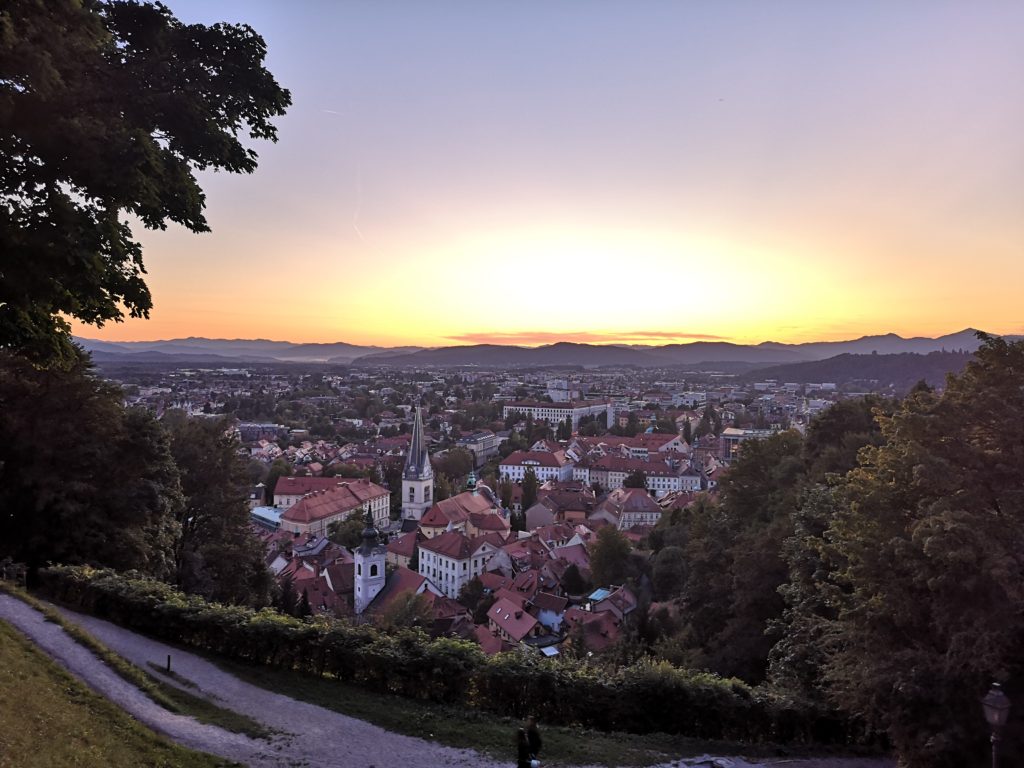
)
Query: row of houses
[{"x": 669, "y": 464}]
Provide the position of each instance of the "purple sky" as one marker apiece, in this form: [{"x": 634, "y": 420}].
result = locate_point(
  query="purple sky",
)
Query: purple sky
[{"x": 750, "y": 170}]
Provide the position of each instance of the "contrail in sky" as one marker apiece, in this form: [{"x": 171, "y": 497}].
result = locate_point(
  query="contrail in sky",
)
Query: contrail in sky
[
  {"x": 359, "y": 191},
  {"x": 359, "y": 203}
]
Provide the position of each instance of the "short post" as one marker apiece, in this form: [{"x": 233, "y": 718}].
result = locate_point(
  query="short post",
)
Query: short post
[{"x": 168, "y": 663}]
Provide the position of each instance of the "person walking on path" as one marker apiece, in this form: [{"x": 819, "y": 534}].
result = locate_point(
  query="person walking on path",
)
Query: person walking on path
[
  {"x": 533, "y": 736},
  {"x": 523, "y": 757}
]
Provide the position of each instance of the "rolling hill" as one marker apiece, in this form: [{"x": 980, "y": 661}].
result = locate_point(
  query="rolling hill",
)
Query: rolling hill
[{"x": 196, "y": 350}]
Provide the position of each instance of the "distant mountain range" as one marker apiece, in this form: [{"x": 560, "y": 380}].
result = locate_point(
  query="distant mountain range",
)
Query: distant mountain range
[
  {"x": 233, "y": 352},
  {"x": 230, "y": 351},
  {"x": 898, "y": 372}
]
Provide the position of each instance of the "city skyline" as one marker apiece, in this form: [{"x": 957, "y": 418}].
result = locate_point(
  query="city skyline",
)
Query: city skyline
[{"x": 495, "y": 174}]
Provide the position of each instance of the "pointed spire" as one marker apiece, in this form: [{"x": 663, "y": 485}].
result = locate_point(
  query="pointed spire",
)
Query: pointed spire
[
  {"x": 417, "y": 461},
  {"x": 371, "y": 539}
]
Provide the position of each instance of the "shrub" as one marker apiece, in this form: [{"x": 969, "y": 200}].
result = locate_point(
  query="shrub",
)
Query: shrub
[{"x": 644, "y": 697}]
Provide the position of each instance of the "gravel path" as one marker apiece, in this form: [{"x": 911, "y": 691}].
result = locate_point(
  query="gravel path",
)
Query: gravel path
[
  {"x": 308, "y": 735},
  {"x": 311, "y": 736}
]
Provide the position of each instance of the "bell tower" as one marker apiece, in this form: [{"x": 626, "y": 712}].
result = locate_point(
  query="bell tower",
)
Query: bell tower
[
  {"x": 418, "y": 475},
  {"x": 369, "y": 567}
]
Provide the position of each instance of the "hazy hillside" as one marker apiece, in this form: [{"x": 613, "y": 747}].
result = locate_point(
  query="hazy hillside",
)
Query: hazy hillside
[
  {"x": 195, "y": 349},
  {"x": 562, "y": 353},
  {"x": 899, "y": 371},
  {"x": 697, "y": 354}
]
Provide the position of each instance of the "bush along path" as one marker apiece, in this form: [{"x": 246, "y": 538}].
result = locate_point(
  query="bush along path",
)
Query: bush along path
[
  {"x": 644, "y": 697},
  {"x": 305, "y": 735}
]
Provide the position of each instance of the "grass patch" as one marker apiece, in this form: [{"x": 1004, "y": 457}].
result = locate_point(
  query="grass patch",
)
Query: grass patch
[
  {"x": 169, "y": 697},
  {"x": 205, "y": 711},
  {"x": 48, "y": 718},
  {"x": 180, "y": 680}
]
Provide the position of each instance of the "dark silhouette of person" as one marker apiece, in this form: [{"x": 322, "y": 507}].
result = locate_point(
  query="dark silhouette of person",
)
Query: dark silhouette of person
[
  {"x": 533, "y": 736},
  {"x": 523, "y": 758}
]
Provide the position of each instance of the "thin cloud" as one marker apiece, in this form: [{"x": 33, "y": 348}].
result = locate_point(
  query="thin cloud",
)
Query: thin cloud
[{"x": 550, "y": 337}]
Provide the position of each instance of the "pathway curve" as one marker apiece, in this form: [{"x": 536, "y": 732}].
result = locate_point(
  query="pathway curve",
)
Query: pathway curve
[
  {"x": 307, "y": 735},
  {"x": 311, "y": 735}
]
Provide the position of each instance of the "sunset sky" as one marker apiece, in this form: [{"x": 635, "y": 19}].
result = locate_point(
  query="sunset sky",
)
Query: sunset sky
[{"x": 641, "y": 172}]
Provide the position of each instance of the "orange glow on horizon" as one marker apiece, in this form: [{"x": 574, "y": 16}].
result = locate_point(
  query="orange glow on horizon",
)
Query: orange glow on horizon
[{"x": 813, "y": 172}]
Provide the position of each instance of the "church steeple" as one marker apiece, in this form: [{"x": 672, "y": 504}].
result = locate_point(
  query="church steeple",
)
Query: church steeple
[
  {"x": 370, "y": 576},
  {"x": 418, "y": 475},
  {"x": 417, "y": 461}
]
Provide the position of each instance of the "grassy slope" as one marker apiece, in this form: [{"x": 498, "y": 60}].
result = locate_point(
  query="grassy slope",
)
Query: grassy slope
[
  {"x": 486, "y": 733},
  {"x": 171, "y": 698},
  {"x": 463, "y": 728},
  {"x": 48, "y": 718}
]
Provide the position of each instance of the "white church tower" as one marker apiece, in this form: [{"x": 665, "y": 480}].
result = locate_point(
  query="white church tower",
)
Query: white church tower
[
  {"x": 418, "y": 476},
  {"x": 369, "y": 567}
]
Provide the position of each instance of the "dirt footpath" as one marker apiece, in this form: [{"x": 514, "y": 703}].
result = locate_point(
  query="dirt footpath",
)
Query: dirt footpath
[{"x": 308, "y": 735}]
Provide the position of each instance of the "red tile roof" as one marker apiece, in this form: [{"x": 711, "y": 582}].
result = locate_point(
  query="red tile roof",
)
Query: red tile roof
[
  {"x": 489, "y": 521},
  {"x": 541, "y": 458},
  {"x": 511, "y": 619},
  {"x": 494, "y": 581},
  {"x": 405, "y": 545},
  {"x": 400, "y": 582},
  {"x": 574, "y": 553},
  {"x": 599, "y": 630},
  {"x": 490, "y": 643},
  {"x": 343, "y": 497},
  {"x": 300, "y": 486},
  {"x": 458, "y": 546},
  {"x": 545, "y": 601},
  {"x": 515, "y": 598}
]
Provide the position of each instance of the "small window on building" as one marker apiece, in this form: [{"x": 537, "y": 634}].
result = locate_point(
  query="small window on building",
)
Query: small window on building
[
  {"x": 359, "y": 569},
  {"x": 373, "y": 569}
]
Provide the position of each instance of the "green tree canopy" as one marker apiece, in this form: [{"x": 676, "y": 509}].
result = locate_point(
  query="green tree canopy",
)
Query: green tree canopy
[
  {"x": 107, "y": 111},
  {"x": 217, "y": 554},
  {"x": 82, "y": 479},
  {"x": 836, "y": 435},
  {"x": 635, "y": 479},
  {"x": 926, "y": 552},
  {"x": 347, "y": 532},
  {"x": 609, "y": 556},
  {"x": 530, "y": 488},
  {"x": 454, "y": 464},
  {"x": 407, "y": 610},
  {"x": 669, "y": 572}
]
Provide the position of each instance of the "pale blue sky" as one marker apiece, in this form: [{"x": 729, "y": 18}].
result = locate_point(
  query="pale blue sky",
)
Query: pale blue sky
[{"x": 841, "y": 168}]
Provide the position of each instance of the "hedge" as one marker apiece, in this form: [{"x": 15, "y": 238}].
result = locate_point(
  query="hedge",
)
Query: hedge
[{"x": 645, "y": 697}]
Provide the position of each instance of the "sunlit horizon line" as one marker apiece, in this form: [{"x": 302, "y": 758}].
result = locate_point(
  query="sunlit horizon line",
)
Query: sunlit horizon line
[{"x": 546, "y": 338}]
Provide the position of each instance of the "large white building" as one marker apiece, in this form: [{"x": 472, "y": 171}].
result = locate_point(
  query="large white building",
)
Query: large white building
[
  {"x": 483, "y": 444},
  {"x": 555, "y": 413},
  {"x": 732, "y": 438},
  {"x": 630, "y": 507},
  {"x": 546, "y": 465},
  {"x": 663, "y": 475},
  {"x": 452, "y": 559},
  {"x": 690, "y": 399},
  {"x": 314, "y": 512}
]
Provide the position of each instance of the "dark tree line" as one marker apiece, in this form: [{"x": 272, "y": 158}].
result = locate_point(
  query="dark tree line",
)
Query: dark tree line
[
  {"x": 85, "y": 480},
  {"x": 874, "y": 566}
]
